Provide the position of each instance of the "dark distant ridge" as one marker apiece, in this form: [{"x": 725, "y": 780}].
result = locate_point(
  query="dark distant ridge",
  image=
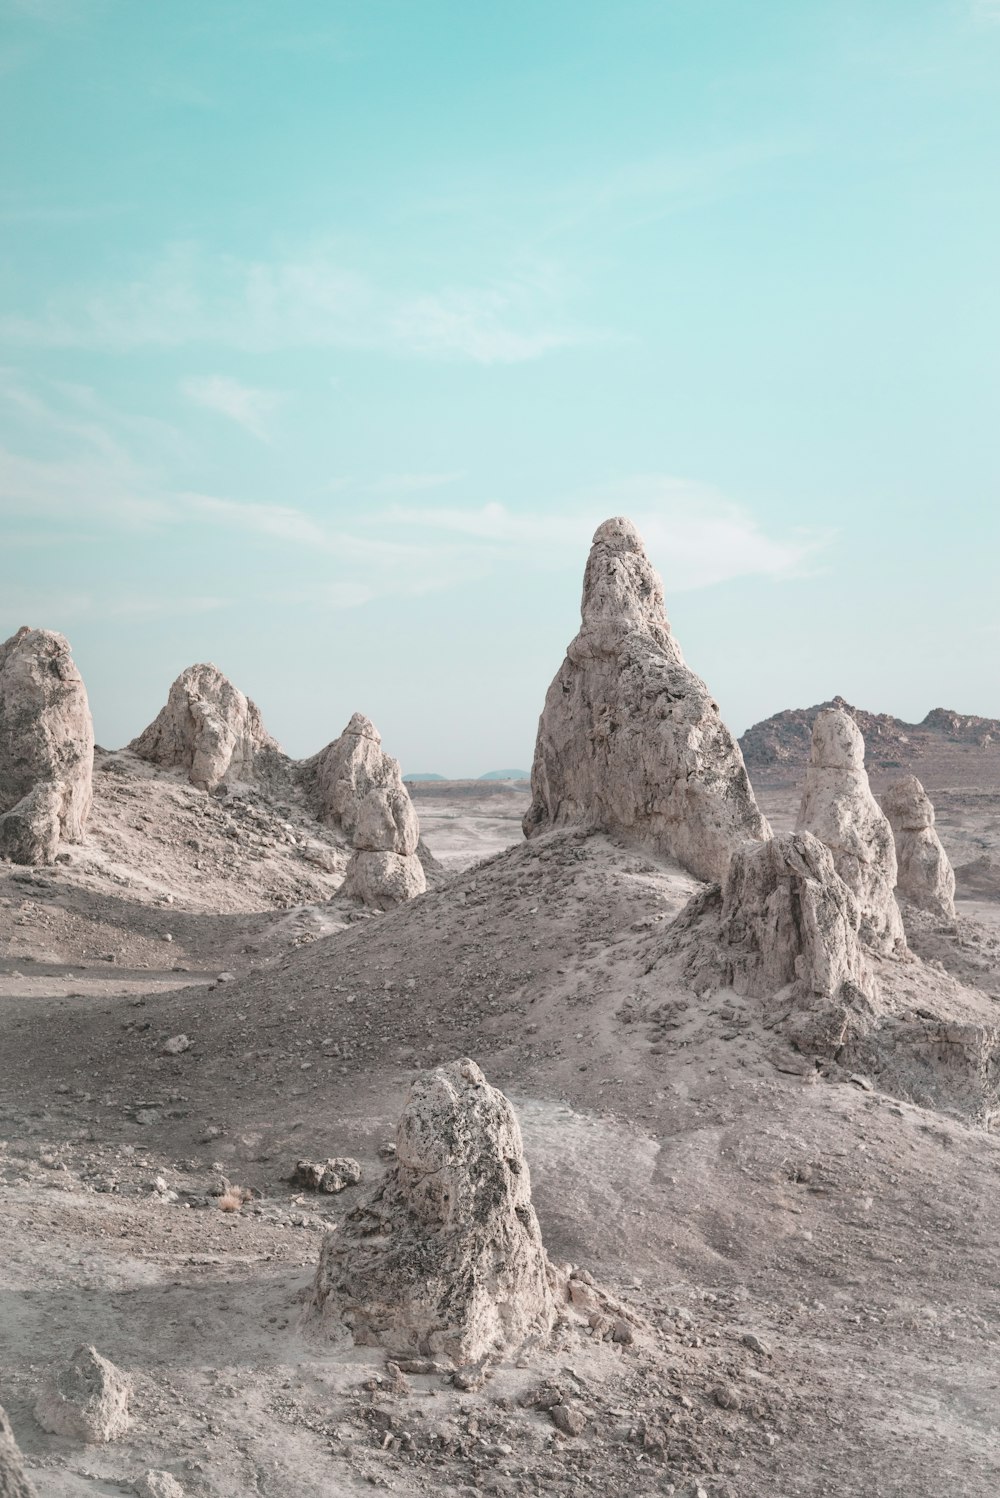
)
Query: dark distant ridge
[
  {"x": 506, "y": 775},
  {"x": 782, "y": 741},
  {"x": 432, "y": 775}
]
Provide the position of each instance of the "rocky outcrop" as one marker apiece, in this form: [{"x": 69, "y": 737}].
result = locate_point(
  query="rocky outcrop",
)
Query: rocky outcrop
[
  {"x": 14, "y": 1481},
  {"x": 446, "y": 1257},
  {"x": 838, "y": 807},
  {"x": 788, "y": 917},
  {"x": 212, "y": 732},
  {"x": 630, "y": 740},
  {"x": 356, "y": 786},
  {"x": 46, "y": 747},
  {"x": 923, "y": 870},
  {"x": 87, "y": 1401}
]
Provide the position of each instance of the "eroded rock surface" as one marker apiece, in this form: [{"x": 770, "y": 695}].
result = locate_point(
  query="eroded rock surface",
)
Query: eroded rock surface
[
  {"x": 923, "y": 870},
  {"x": 212, "y": 731},
  {"x": 630, "y": 740},
  {"x": 838, "y": 807},
  {"x": 446, "y": 1257},
  {"x": 14, "y": 1481},
  {"x": 46, "y": 747},
  {"x": 356, "y": 786},
  {"x": 87, "y": 1401}
]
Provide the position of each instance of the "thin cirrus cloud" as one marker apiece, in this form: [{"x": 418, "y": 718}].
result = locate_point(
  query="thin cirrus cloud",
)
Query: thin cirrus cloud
[
  {"x": 187, "y": 297},
  {"x": 250, "y": 408}
]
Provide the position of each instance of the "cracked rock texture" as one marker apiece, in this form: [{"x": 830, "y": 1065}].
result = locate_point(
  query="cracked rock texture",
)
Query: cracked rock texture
[
  {"x": 14, "y": 1481},
  {"x": 838, "y": 807},
  {"x": 87, "y": 1401},
  {"x": 923, "y": 869},
  {"x": 46, "y": 747},
  {"x": 446, "y": 1258},
  {"x": 630, "y": 740},
  {"x": 210, "y": 730}
]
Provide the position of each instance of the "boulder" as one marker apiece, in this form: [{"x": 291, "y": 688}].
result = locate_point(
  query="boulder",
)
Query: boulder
[
  {"x": 87, "y": 1401},
  {"x": 342, "y": 774},
  {"x": 14, "y": 1481},
  {"x": 154, "y": 1484},
  {"x": 923, "y": 869},
  {"x": 446, "y": 1257},
  {"x": 383, "y": 880},
  {"x": 630, "y": 740},
  {"x": 838, "y": 807},
  {"x": 212, "y": 732},
  {"x": 387, "y": 822},
  {"x": 46, "y": 747}
]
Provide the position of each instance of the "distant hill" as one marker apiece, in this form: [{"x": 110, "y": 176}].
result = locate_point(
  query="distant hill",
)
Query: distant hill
[
  {"x": 506, "y": 775},
  {"x": 428, "y": 776},
  {"x": 944, "y": 741}
]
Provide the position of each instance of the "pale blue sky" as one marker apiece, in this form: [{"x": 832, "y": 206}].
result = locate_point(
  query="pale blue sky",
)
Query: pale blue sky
[{"x": 329, "y": 332}]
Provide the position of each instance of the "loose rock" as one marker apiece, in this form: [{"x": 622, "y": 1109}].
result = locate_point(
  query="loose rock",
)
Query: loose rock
[{"x": 87, "y": 1401}]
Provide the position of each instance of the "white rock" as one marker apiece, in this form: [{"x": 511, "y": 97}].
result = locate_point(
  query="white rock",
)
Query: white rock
[
  {"x": 212, "y": 731},
  {"x": 630, "y": 739},
  {"x": 153, "y": 1484},
  {"x": 347, "y": 769},
  {"x": 176, "y": 1045},
  {"x": 383, "y": 880},
  {"x": 838, "y": 807},
  {"x": 923, "y": 870},
  {"x": 87, "y": 1401},
  {"x": 14, "y": 1481},
  {"x": 446, "y": 1257},
  {"x": 46, "y": 746}
]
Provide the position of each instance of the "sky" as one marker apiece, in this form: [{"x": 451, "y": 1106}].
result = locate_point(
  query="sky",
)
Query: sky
[{"x": 329, "y": 332}]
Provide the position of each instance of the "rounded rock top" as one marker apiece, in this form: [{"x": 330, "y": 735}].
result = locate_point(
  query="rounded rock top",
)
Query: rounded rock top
[
  {"x": 837, "y": 743},
  {"x": 618, "y": 533}
]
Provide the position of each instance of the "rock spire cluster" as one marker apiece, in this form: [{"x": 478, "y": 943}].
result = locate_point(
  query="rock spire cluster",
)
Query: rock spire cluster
[
  {"x": 446, "y": 1258},
  {"x": 359, "y": 788},
  {"x": 630, "y": 740},
  {"x": 46, "y": 747},
  {"x": 924, "y": 872},
  {"x": 209, "y": 729}
]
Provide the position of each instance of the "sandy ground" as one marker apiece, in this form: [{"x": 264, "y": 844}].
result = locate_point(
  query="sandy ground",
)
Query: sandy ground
[{"x": 812, "y": 1260}]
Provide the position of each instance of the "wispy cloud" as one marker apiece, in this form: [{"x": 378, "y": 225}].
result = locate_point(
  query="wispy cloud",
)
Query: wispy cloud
[
  {"x": 187, "y": 297},
  {"x": 248, "y": 407},
  {"x": 986, "y": 10}
]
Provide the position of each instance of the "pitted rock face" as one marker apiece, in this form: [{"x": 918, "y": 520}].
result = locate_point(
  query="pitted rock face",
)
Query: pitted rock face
[
  {"x": 446, "y": 1258},
  {"x": 14, "y": 1481},
  {"x": 87, "y": 1401},
  {"x": 211, "y": 730},
  {"x": 630, "y": 740},
  {"x": 356, "y": 786},
  {"x": 838, "y": 807},
  {"x": 46, "y": 747},
  {"x": 924, "y": 872}
]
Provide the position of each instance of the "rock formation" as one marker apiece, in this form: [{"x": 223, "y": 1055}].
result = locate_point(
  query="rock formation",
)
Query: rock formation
[
  {"x": 923, "y": 870},
  {"x": 212, "y": 731},
  {"x": 446, "y": 1257},
  {"x": 87, "y": 1401},
  {"x": 838, "y": 807},
  {"x": 788, "y": 917},
  {"x": 356, "y": 786},
  {"x": 630, "y": 740},
  {"x": 46, "y": 747},
  {"x": 14, "y": 1481}
]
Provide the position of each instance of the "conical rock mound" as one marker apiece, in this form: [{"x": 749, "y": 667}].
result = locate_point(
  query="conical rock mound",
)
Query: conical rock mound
[
  {"x": 359, "y": 788},
  {"x": 446, "y": 1258},
  {"x": 630, "y": 740},
  {"x": 209, "y": 729},
  {"x": 923, "y": 869},
  {"x": 838, "y": 807},
  {"x": 46, "y": 747}
]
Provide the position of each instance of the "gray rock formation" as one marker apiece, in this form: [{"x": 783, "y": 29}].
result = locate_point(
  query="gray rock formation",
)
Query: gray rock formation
[
  {"x": 87, "y": 1401},
  {"x": 356, "y": 786},
  {"x": 923, "y": 870},
  {"x": 154, "y": 1484},
  {"x": 14, "y": 1481},
  {"x": 788, "y": 917},
  {"x": 46, "y": 747},
  {"x": 211, "y": 731},
  {"x": 446, "y": 1257},
  {"x": 630, "y": 740},
  {"x": 838, "y": 807}
]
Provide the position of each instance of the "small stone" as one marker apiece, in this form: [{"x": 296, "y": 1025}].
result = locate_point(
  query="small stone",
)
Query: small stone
[
  {"x": 622, "y": 1332},
  {"x": 726, "y": 1397},
  {"x": 756, "y": 1345},
  {"x": 568, "y": 1418},
  {"x": 176, "y": 1045},
  {"x": 155, "y": 1484},
  {"x": 226, "y": 978}
]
